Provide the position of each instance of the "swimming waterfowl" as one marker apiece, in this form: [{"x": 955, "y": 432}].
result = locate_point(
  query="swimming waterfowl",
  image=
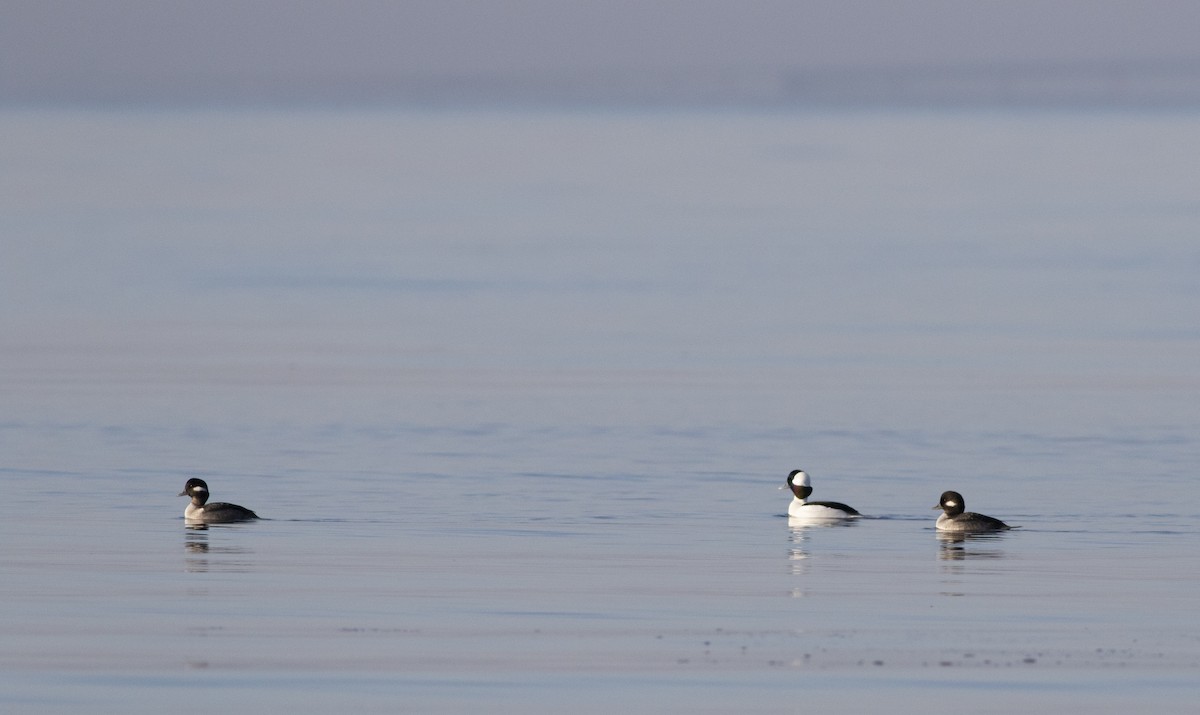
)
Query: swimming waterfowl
[
  {"x": 199, "y": 511},
  {"x": 954, "y": 516},
  {"x": 801, "y": 508}
]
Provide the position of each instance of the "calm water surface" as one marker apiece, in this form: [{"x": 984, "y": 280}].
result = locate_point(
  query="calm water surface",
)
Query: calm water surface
[{"x": 515, "y": 392}]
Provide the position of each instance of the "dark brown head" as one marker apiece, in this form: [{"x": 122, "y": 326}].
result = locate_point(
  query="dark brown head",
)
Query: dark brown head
[
  {"x": 952, "y": 503},
  {"x": 197, "y": 489}
]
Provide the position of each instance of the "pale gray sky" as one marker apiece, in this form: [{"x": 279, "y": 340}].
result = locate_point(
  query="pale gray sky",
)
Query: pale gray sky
[{"x": 161, "y": 49}]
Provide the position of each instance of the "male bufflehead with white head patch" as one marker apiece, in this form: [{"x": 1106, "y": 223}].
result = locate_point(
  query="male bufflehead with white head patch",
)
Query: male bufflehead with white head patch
[
  {"x": 801, "y": 508},
  {"x": 199, "y": 511}
]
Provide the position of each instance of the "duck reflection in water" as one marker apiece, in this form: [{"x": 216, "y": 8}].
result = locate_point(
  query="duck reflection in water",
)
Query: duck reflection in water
[
  {"x": 801, "y": 531},
  {"x": 203, "y": 556},
  {"x": 959, "y": 546}
]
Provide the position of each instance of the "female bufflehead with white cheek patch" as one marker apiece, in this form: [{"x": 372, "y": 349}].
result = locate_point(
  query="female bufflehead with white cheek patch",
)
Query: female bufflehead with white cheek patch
[
  {"x": 954, "y": 516},
  {"x": 199, "y": 511},
  {"x": 801, "y": 508}
]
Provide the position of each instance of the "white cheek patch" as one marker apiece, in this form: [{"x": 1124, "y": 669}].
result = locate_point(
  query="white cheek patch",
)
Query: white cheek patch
[
  {"x": 199, "y": 489},
  {"x": 951, "y": 503}
]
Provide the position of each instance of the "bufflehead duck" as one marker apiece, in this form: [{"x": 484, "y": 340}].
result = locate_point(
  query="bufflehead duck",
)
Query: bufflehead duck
[
  {"x": 798, "y": 482},
  {"x": 215, "y": 513},
  {"x": 955, "y": 518}
]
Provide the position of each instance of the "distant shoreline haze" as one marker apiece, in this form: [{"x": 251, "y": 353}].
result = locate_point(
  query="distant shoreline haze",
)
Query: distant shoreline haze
[{"x": 1115, "y": 84}]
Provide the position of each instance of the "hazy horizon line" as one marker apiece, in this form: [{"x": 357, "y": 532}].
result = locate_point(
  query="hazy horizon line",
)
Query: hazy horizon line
[{"x": 1129, "y": 83}]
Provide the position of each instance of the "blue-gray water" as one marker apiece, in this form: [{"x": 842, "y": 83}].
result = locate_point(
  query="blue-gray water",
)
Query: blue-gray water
[{"x": 515, "y": 392}]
